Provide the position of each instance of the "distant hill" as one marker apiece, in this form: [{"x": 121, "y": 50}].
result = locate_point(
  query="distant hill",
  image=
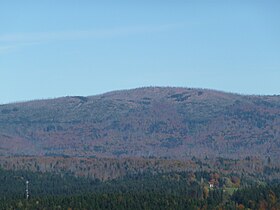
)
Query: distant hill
[{"x": 145, "y": 122}]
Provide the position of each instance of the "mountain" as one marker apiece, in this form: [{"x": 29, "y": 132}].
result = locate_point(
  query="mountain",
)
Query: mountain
[{"x": 160, "y": 122}]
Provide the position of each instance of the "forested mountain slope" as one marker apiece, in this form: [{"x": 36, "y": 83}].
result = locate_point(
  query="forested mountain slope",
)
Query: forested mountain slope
[{"x": 144, "y": 122}]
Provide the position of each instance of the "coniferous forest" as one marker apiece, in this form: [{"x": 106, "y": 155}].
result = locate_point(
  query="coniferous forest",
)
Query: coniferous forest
[{"x": 174, "y": 190}]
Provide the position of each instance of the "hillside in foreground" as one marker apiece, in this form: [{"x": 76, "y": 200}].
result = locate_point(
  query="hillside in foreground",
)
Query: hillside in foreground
[{"x": 175, "y": 123}]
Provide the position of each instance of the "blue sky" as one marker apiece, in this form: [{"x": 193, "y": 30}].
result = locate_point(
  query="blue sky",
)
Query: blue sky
[{"x": 54, "y": 48}]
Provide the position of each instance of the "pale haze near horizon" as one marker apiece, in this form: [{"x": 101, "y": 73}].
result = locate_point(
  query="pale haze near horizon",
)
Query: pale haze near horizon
[{"x": 57, "y": 48}]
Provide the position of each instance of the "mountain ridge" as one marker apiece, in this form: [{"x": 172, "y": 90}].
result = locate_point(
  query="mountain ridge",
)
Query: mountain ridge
[{"x": 139, "y": 88}]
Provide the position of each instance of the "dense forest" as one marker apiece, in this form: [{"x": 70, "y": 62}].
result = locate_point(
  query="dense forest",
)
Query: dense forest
[
  {"x": 165, "y": 122},
  {"x": 173, "y": 190}
]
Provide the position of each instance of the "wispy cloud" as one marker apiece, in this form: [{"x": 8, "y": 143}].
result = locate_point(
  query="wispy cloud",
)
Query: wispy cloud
[
  {"x": 84, "y": 34},
  {"x": 14, "y": 47},
  {"x": 14, "y": 42}
]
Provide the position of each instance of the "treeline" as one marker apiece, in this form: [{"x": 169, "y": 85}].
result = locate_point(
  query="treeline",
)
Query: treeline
[{"x": 175, "y": 190}]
